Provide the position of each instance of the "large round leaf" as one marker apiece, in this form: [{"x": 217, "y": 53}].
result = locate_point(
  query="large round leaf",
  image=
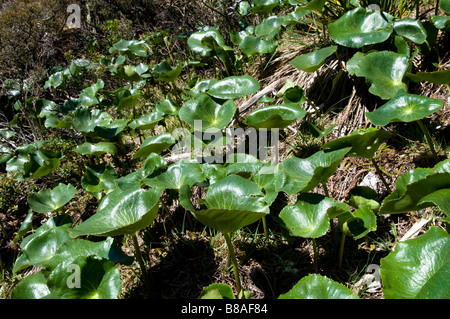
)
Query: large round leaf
[
  {"x": 309, "y": 217},
  {"x": 274, "y": 116},
  {"x": 311, "y": 62},
  {"x": 364, "y": 142},
  {"x": 358, "y": 28},
  {"x": 121, "y": 212},
  {"x": 155, "y": 144},
  {"x": 441, "y": 198},
  {"x": 98, "y": 178},
  {"x": 411, "y": 29},
  {"x": 303, "y": 174},
  {"x": 96, "y": 149},
  {"x": 251, "y": 45},
  {"x": 147, "y": 121},
  {"x": 263, "y": 6},
  {"x": 177, "y": 175},
  {"x": 196, "y": 44},
  {"x": 404, "y": 108},
  {"x": 212, "y": 115},
  {"x": 50, "y": 200},
  {"x": 418, "y": 268},
  {"x": 33, "y": 286},
  {"x": 99, "y": 279},
  {"x": 358, "y": 223},
  {"x": 232, "y": 203},
  {"x": 411, "y": 187},
  {"x": 318, "y": 287},
  {"x": 234, "y": 87},
  {"x": 384, "y": 70}
]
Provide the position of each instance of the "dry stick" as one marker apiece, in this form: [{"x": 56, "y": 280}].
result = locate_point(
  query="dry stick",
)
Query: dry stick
[{"x": 138, "y": 255}]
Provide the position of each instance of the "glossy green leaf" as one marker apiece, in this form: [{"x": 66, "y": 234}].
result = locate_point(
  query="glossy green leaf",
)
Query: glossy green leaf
[
  {"x": 166, "y": 73},
  {"x": 121, "y": 212},
  {"x": 444, "y": 5},
  {"x": 411, "y": 187},
  {"x": 234, "y": 87},
  {"x": 404, "y": 108},
  {"x": 440, "y": 198},
  {"x": 318, "y": 287},
  {"x": 357, "y": 28},
  {"x": 75, "y": 248},
  {"x": 263, "y": 6},
  {"x": 232, "y": 203},
  {"x": 98, "y": 178},
  {"x": 251, "y": 45},
  {"x": 147, "y": 121},
  {"x": 274, "y": 116},
  {"x": 311, "y": 62},
  {"x": 196, "y": 44},
  {"x": 269, "y": 27},
  {"x": 131, "y": 47},
  {"x": 358, "y": 223},
  {"x": 25, "y": 227},
  {"x": 411, "y": 29},
  {"x": 167, "y": 107},
  {"x": 99, "y": 279},
  {"x": 50, "y": 200},
  {"x": 212, "y": 115},
  {"x": 309, "y": 217},
  {"x": 363, "y": 142},
  {"x": 441, "y": 22},
  {"x": 384, "y": 71},
  {"x": 177, "y": 175},
  {"x": 41, "y": 246},
  {"x": 436, "y": 77},
  {"x": 418, "y": 268},
  {"x": 96, "y": 149},
  {"x": 155, "y": 144},
  {"x": 363, "y": 195},
  {"x": 33, "y": 286},
  {"x": 217, "y": 291},
  {"x": 302, "y": 175}
]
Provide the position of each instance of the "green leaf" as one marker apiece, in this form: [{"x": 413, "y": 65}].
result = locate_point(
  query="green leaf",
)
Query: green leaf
[
  {"x": 217, "y": 291},
  {"x": 404, "y": 108},
  {"x": 155, "y": 144},
  {"x": 213, "y": 116},
  {"x": 147, "y": 121},
  {"x": 131, "y": 47},
  {"x": 251, "y": 45},
  {"x": 232, "y": 203},
  {"x": 96, "y": 149},
  {"x": 418, "y": 268},
  {"x": 318, "y": 287},
  {"x": 98, "y": 178},
  {"x": 263, "y": 6},
  {"x": 384, "y": 70},
  {"x": 436, "y": 77},
  {"x": 358, "y": 223},
  {"x": 441, "y": 198},
  {"x": 26, "y": 225},
  {"x": 33, "y": 286},
  {"x": 99, "y": 279},
  {"x": 411, "y": 187},
  {"x": 234, "y": 87},
  {"x": 197, "y": 45},
  {"x": 269, "y": 27},
  {"x": 177, "y": 175},
  {"x": 50, "y": 200},
  {"x": 363, "y": 195},
  {"x": 41, "y": 246},
  {"x": 302, "y": 175},
  {"x": 358, "y": 28},
  {"x": 444, "y": 5},
  {"x": 274, "y": 116},
  {"x": 363, "y": 142},
  {"x": 411, "y": 29},
  {"x": 121, "y": 212},
  {"x": 311, "y": 62},
  {"x": 441, "y": 22},
  {"x": 166, "y": 73},
  {"x": 309, "y": 217}
]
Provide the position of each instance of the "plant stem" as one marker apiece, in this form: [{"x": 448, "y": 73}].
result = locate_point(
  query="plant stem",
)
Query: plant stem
[
  {"x": 316, "y": 256},
  {"x": 140, "y": 260},
  {"x": 380, "y": 174},
  {"x": 235, "y": 264},
  {"x": 266, "y": 234},
  {"x": 341, "y": 251},
  {"x": 428, "y": 137}
]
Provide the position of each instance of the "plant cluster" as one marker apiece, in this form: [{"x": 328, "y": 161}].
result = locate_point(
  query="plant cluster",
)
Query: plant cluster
[{"x": 81, "y": 259}]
